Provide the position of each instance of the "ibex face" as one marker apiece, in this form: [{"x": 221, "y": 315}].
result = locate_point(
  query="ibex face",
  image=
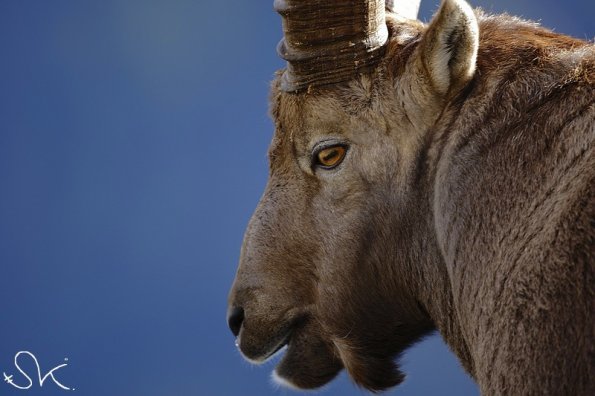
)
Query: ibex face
[
  {"x": 323, "y": 222},
  {"x": 325, "y": 267}
]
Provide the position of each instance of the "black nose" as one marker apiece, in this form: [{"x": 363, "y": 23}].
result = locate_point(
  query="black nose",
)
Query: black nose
[{"x": 235, "y": 317}]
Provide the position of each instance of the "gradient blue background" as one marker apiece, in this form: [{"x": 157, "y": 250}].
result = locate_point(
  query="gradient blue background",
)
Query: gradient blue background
[{"x": 132, "y": 152}]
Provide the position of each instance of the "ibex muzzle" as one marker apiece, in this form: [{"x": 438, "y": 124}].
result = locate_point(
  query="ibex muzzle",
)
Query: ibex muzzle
[{"x": 421, "y": 178}]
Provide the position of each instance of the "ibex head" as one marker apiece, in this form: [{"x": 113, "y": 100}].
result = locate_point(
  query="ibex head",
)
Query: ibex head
[{"x": 329, "y": 257}]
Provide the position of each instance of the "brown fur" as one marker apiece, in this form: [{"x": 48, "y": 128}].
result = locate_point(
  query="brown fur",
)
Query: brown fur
[{"x": 470, "y": 211}]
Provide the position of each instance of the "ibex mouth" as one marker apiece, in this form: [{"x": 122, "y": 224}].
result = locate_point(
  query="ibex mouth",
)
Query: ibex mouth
[
  {"x": 309, "y": 360},
  {"x": 261, "y": 352},
  {"x": 260, "y": 339}
]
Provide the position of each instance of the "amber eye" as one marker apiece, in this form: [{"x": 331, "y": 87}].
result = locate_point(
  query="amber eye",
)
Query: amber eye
[{"x": 331, "y": 156}]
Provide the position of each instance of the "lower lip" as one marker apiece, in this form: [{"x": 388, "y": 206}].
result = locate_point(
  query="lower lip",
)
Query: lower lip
[
  {"x": 279, "y": 349},
  {"x": 276, "y": 351}
]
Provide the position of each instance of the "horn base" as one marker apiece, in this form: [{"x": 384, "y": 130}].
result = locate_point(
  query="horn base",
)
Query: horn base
[
  {"x": 326, "y": 66},
  {"x": 329, "y": 42}
]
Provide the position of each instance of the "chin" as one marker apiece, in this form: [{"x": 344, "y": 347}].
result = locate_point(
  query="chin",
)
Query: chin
[{"x": 309, "y": 363}]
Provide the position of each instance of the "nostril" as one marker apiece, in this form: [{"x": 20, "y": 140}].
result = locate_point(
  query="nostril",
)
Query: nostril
[{"x": 235, "y": 317}]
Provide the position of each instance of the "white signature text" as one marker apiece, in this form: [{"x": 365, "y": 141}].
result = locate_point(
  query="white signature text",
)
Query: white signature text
[{"x": 27, "y": 382}]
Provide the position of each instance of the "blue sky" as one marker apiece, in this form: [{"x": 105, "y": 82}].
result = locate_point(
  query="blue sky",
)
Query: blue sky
[{"x": 133, "y": 137}]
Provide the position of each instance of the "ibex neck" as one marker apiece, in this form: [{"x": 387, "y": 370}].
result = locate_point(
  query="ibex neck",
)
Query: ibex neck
[{"x": 430, "y": 282}]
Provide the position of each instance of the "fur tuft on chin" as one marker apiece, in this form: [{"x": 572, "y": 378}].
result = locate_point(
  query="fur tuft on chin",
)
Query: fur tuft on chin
[
  {"x": 375, "y": 374},
  {"x": 309, "y": 363},
  {"x": 283, "y": 382}
]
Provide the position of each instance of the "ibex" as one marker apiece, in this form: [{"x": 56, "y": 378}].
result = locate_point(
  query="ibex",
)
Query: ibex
[{"x": 425, "y": 177}]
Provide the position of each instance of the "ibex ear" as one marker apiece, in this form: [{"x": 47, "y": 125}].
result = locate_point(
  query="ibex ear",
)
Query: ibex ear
[{"x": 448, "y": 49}]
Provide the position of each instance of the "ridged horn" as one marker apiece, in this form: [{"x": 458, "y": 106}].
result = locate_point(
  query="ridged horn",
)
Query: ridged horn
[{"x": 326, "y": 42}]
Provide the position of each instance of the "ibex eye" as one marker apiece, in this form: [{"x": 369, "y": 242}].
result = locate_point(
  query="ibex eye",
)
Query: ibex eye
[{"x": 330, "y": 157}]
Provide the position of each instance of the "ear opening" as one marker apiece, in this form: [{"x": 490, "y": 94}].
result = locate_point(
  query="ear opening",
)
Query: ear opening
[{"x": 449, "y": 46}]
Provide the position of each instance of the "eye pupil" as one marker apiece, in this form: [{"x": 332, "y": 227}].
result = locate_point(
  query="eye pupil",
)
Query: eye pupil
[
  {"x": 331, "y": 157},
  {"x": 332, "y": 154}
]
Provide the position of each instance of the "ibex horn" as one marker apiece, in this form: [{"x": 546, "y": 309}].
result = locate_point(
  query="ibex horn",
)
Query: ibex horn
[{"x": 327, "y": 42}]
